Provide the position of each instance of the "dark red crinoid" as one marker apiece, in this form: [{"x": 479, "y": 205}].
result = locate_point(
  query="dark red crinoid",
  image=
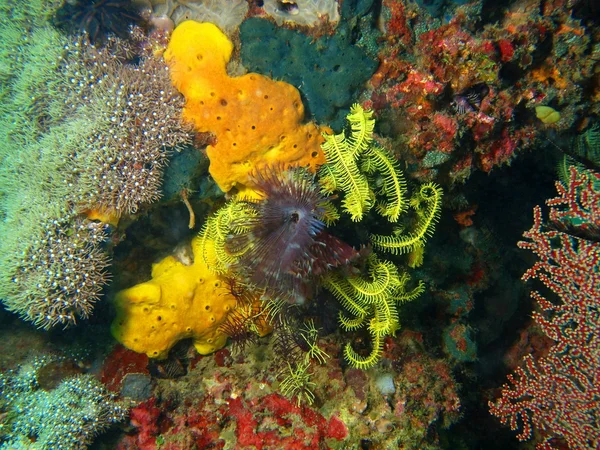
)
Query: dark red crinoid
[{"x": 286, "y": 242}]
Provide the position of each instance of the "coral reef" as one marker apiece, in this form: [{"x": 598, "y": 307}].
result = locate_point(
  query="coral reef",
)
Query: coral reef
[
  {"x": 257, "y": 122},
  {"x": 526, "y": 60},
  {"x": 69, "y": 415},
  {"x": 459, "y": 342},
  {"x": 120, "y": 363},
  {"x": 270, "y": 244},
  {"x": 262, "y": 265},
  {"x": 425, "y": 402}
]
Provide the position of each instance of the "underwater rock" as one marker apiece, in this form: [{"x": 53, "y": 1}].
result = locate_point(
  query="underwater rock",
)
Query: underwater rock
[{"x": 137, "y": 386}]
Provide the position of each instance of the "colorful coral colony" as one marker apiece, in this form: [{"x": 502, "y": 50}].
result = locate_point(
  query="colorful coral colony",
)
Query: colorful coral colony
[{"x": 335, "y": 132}]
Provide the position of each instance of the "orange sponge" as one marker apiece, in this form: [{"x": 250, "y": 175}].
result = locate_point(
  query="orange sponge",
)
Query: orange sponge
[{"x": 257, "y": 121}]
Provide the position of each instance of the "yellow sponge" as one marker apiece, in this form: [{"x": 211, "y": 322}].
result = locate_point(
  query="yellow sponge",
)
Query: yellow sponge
[{"x": 178, "y": 302}]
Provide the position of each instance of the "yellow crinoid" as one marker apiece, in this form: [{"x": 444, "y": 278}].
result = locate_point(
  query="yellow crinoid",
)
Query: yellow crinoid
[
  {"x": 353, "y": 161},
  {"x": 427, "y": 205},
  {"x": 368, "y": 175},
  {"x": 372, "y": 301}
]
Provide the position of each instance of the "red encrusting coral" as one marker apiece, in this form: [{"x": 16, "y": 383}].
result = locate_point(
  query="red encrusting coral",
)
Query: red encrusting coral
[
  {"x": 254, "y": 430},
  {"x": 507, "y": 50},
  {"x": 145, "y": 418},
  {"x": 120, "y": 362}
]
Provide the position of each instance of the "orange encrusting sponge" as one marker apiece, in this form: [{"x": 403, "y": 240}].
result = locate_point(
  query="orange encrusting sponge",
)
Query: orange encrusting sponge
[{"x": 257, "y": 121}]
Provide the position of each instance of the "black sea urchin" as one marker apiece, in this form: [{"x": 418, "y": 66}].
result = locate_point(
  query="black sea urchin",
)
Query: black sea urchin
[
  {"x": 98, "y": 18},
  {"x": 285, "y": 242}
]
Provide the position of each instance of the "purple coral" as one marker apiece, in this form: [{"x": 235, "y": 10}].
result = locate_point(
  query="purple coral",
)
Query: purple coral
[{"x": 285, "y": 239}]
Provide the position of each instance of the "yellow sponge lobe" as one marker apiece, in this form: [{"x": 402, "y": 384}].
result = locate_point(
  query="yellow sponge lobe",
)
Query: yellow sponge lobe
[{"x": 179, "y": 302}]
